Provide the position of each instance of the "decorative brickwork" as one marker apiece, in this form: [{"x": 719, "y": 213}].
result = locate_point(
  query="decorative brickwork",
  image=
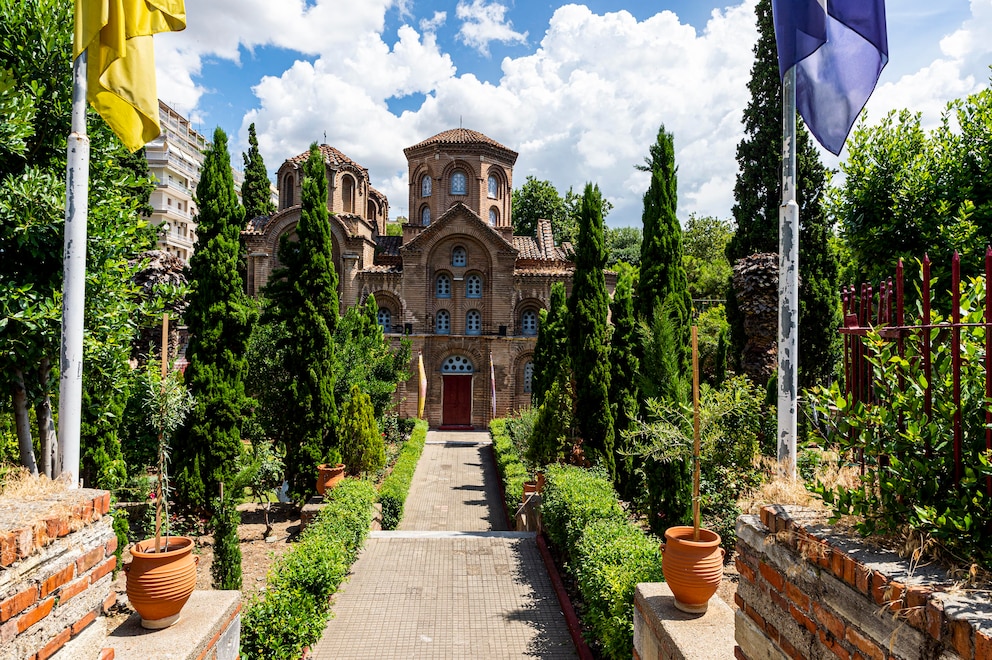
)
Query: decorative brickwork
[{"x": 807, "y": 592}]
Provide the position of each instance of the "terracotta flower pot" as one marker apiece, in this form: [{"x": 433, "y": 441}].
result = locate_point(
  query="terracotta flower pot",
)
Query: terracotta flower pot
[
  {"x": 160, "y": 583},
  {"x": 693, "y": 569},
  {"x": 540, "y": 481},
  {"x": 329, "y": 476},
  {"x": 530, "y": 488}
]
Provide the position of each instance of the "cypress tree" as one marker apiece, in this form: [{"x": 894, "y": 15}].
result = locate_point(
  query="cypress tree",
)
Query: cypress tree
[
  {"x": 662, "y": 272},
  {"x": 551, "y": 349},
  {"x": 304, "y": 296},
  {"x": 757, "y": 195},
  {"x": 624, "y": 368},
  {"x": 362, "y": 446},
  {"x": 587, "y": 312},
  {"x": 255, "y": 192},
  {"x": 219, "y": 318}
]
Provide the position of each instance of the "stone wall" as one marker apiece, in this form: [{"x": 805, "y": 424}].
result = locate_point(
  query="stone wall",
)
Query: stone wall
[
  {"x": 56, "y": 564},
  {"x": 808, "y": 592}
]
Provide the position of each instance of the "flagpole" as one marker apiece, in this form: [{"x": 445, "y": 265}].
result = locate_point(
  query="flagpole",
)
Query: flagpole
[
  {"x": 788, "y": 286},
  {"x": 74, "y": 280}
]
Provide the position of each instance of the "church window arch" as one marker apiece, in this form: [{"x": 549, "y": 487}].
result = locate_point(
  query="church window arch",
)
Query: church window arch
[
  {"x": 459, "y": 183},
  {"x": 529, "y": 377},
  {"x": 442, "y": 286},
  {"x": 425, "y": 215},
  {"x": 473, "y": 286},
  {"x": 288, "y": 185},
  {"x": 348, "y": 193},
  {"x": 385, "y": 319},
  {"x": 493, "y": 216},
  {"x": 457, "y": 364},
  {"x": 459, "y": 257},
  {"x": 493, "y": 186},
  {"x": 473, "y": 322},
  {"x": 528, "y": 322},
  {"x": 425, "y": 186},
  {"x": 442, "y": 322}
]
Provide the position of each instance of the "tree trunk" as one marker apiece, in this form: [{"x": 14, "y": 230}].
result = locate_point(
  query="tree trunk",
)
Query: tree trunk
[
  {"x": 46, "y": 423},
  {"x": 22, "y": 422}
]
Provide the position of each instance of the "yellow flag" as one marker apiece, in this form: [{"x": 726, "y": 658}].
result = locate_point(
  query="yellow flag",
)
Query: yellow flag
[
  {"x": 422, "y": 390},
  {"x": 120, "y": 67}
]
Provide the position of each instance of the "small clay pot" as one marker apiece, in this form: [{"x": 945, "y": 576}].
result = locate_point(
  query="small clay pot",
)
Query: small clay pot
[
  {"x": 540, "y": 481},
  {"x": 530, "y": 488},
  {"x": 160, "y": 583},
  {"x": 329, "y": 476},
  {"x": 693, "y": 569}
]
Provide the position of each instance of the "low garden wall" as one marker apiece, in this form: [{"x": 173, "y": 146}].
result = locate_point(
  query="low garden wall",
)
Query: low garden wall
[{"x": 808, "y": 592}]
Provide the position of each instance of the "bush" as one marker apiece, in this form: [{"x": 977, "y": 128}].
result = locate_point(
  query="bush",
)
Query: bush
[
  {"x": 362, "y": 447},
  {"x": 508, "y": 463},
  {"x": 393, "y": 492},
  {"x": 573, "y": 499},
  {"x": 520, "y": 427},
  {"x": 293, "y": 610}
]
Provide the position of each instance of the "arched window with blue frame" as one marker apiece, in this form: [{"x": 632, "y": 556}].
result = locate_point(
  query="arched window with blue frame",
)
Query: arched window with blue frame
[
  {"x": 473, "y": 322},
  {"x": 442, "y": 286},
  {"x": 425, "y": 186},
  {"x": 459, "y": 184},
  {"x": 442, "y": 322},
  {"x": 473, "y": 286}
]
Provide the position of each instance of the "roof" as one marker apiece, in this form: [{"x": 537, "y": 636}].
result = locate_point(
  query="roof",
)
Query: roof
[
  {"x": 459, "y": 136},
  {"x": 331, "y": 155},
  {"x": 530, "y": 248},
  {"x": 257, "y": 225},
  {"x": 389, "y": 245}
]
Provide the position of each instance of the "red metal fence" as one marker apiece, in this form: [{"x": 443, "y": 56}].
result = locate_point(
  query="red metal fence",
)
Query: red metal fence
[{"x": 884, "y": 311}]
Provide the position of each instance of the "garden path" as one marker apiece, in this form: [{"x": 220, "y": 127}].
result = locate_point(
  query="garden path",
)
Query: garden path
[{"x": 451, "y": 581}]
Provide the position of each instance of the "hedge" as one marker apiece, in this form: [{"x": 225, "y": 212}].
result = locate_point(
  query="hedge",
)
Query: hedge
[
  {"x": 292, "y": 611},
  {"x": 508, "y": 462},
  {"x": 395, "y": 487},
  {"x": 605, "y": 553}
]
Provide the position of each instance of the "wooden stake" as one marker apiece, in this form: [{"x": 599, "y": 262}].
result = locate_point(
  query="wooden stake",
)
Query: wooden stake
[
  {"x": 695, "y": 434},
  {"x": 161, "y": 494}
]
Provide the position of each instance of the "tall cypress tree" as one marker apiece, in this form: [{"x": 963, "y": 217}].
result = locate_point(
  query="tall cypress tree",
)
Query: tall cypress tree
[
  {"x": 757, "y": 195},
  {"x": 255, "y": 192},
  {"x": 551, "y": 349},
  {"x": 624, "y": 367},
  {"x": 219, "y": 318},
  {"x": 588, "y": 341},
  {"x": 662, "y": 272},
  {"x": 304, "y": 295}
]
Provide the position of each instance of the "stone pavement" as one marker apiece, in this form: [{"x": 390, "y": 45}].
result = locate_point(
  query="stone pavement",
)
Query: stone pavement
[{"x": 451, "y": 582}]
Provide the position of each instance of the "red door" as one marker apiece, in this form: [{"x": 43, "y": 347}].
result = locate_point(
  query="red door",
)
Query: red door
[{"x": 456, "y": 408}]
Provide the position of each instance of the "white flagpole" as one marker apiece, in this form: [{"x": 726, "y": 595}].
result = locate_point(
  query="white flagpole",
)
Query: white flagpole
[
  {"x": 788, "y": 286},
  {"x": 74, "y": 284}
]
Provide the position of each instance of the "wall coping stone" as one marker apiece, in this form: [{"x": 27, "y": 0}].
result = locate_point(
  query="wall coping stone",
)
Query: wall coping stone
[
  {"x": 28, "y": 524},
  {"x": 663, "y": 632}
]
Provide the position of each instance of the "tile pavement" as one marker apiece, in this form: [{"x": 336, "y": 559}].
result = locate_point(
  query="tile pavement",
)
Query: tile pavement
[{"x": 451, "y": 582}]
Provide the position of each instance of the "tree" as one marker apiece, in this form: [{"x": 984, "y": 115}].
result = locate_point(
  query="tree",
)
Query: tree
[
  {"x": 303, "y": 297},
  {"x": 219, "y": 318},
  {"x": 623, "y": 244},
  {"x": 704, "y": 241},
  {"x": 362, "y": 446},
  {"x": 662, "y": 274},
  {"x": 588, "y": 341},
  {"x": 256, "y": 195},
  {"x": 551, "y": 349},
  {"x": 624, "y": 367},
  {"x": 757, "y": 198},
  {"x": 534, "y": 201}
]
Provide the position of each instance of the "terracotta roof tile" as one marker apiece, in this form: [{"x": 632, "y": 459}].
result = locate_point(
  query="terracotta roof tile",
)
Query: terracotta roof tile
[
  {"x": 459, "y": 136},
  {"x": 527, "y": 247},
  {"x": 334, "y": 156},
  {"x": 383, "y": 268},
  {"x": 256, "y": 226},
  {"x": 389, "y": 246}
]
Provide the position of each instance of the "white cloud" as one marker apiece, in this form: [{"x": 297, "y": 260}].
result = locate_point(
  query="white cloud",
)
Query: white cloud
[{"x": 486, "y": 22}]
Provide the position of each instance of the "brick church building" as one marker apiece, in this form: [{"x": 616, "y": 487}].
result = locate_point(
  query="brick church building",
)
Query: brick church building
[{"x": 457, "y": 283}]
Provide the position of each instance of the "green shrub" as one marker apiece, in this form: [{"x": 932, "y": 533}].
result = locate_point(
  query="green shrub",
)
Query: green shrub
[
  {"x": 225, "y": 570},
  {"x": 393, "y": 492},
  {"x": 292, "y": 611},
  {"x": 508, "y": 463},
  {"x": 362, "y": 447},
  {"x": 573, "y": 499}
]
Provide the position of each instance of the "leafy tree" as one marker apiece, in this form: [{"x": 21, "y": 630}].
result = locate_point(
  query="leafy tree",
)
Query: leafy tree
[
  {"x": 662, "y": 274},
  {"x": 362, "y": 446},
  {"x": 624, "y": 367},
  {"x": 535, "y": 200},
  {"x": 303, "y": 297},
  {"x": 225, "y": 570},
  {"x": 256, "y": 195},
  {"x": 587, "y": 336},
  {"x": 623, "y": 244},
  {"x": 704, "y": 240},
  {"x": 551, "y": 350},
  {"x": 756, "y": 209},
  {"x": 219, "y": 318},
  {"x": 568, "y": 230}
]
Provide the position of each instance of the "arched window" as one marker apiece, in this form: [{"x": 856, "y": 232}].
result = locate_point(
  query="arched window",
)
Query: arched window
[
  {"x": 528, "y": 322},
  {"x": 348, "y": 193},
  {"x": 473, "y": 322},
  {"x": 473, "y": 286},
  {"x": 425, "y": 186},
  {"x": 385, "y": 318},
  {"x": 442, "y": 286},
  {"x": 442, "y": 322},
  {"x": 528, "y": 377},
  {"x": 459, "y": 184},
  {"x": 457, "y": 364},
  {"x": 493, "y": 186},
  {"x": 287, "y": 190},
  {"x": 493, "y": 216},
  {"x": 459, "y": 257},
  {"x": 425, "y": 216},
  {"x": 372, "y": 211}
]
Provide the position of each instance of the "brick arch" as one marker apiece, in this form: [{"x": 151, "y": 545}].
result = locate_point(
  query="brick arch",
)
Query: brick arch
[
  {"x": 389, "y": 300},
  {"x": 461, "y": 347},
  {"x": 502, "y": 181},
  {"x": 523, "y": 305},
  {"x": 285, "y": 222},
  {"x": 439, "y": 252},
  {"x": 471, "y": 180},
  {"x": 519, "y": 362}
]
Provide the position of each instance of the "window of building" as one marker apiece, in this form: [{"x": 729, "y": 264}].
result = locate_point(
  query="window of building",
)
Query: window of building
[
  {"x": 473, "y": 286},
  {"x": 459, "y": 184},
  {"x": 493, "y": 186},
  {"x": 457, "y": 364},
  {"x": 442, "y": 286},
  {"x": 493, "y": 216},
  {"x": 442, "y": 322},
  {"x": 528, "y": 322},
  {"x": 528, "y": 377},
  {"x": 425, "y": 186},
  {"x": 473, "y": 322},
  {"x": 385, "y": 318},
  {"x": 459, "y": 257},
  {"x": 348, "y": 194},
  {"x": 287, "y": 191},
  {"x": 425, "y": 216}
]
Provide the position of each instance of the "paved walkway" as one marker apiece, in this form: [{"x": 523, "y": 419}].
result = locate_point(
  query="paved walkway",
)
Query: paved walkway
[{"x": 451, "y": 582}]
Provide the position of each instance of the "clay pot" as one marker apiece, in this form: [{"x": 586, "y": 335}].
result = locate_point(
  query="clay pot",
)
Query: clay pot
[
  {"x": 329, "y": 476},
  {"x": 530, "y": 488},
  {"x": 160, "y": 583},
  {"x": 693, "y": 569},
  {"x": 540, "y": 481}
]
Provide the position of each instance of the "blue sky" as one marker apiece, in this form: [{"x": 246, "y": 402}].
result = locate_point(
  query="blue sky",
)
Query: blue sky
[{"x": 579, "y": 90}]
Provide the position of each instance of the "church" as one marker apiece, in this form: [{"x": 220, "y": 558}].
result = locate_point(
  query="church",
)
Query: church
[{"x": 458, "y": 283}]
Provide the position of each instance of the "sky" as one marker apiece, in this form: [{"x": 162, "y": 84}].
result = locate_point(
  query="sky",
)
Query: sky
[{"x": 578, "y": 90}]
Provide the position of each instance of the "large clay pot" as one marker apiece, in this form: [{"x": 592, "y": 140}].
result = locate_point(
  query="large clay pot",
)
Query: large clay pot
[
  {"x": 693, "y": 569},
  {"x": 329, "y": 476},
  {"x": 530, "y": 488},
  {"x": 539, "y": 477},
  {"x": 160, "y": 583}
]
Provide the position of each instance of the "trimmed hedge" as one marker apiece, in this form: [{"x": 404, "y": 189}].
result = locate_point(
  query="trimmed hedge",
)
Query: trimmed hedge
[
  {"x": 292, "y": 611},
  {"x": 605, "y": 553},
  {"x": 508, "y": 462},
  {"x": 394, "y": 489}
]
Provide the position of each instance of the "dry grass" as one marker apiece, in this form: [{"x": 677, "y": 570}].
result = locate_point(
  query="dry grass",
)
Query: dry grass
[{"x": 22, "y": 485}]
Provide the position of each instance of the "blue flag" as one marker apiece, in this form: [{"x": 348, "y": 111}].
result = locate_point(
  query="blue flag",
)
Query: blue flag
[{"x": 839, "y": 48}]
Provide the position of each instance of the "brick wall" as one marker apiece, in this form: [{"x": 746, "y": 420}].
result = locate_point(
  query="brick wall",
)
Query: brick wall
[
  {"x": 808, "y": 592},
  {"x": 56, "y": 564}
]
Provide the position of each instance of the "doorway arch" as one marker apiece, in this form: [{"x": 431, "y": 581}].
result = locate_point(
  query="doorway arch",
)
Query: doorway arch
[{"x": 456, "y": 397}]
